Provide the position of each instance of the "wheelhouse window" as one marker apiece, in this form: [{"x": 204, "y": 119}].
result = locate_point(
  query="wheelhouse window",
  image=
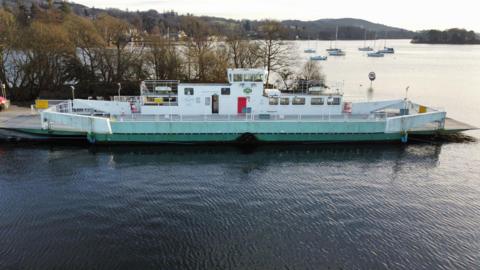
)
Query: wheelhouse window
[
  {"x": 333, "y": 101},
  {"x": 284, "y": 101},
  {"x": 188, "y": 91},
  {"x": 316, "y": 101},
  {"x": 225, "y": 91},
  {"x": 258, "y": 78},
  {"x": 273, "y": 101},
  {"x": 298, "y": 101},
  {"x": 237, "y": 77},
  {"x": 248, "y": 77}
]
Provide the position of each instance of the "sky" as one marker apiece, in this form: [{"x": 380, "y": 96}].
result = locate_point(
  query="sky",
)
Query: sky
[{"x": 408, "y": 14}]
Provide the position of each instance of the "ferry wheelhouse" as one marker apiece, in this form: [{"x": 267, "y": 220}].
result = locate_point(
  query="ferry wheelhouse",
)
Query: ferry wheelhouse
[{"x": 240, "y": 110}]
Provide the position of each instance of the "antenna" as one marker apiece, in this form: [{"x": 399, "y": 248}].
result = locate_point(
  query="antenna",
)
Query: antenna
[
  {"x": 73, "y": 91},
  {"x": 406, "y": 92},
  {"x": 119, "y": 88}
]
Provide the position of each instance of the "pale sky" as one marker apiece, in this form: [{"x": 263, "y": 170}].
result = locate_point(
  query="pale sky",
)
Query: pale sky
[{"x": 409, "y": 14}]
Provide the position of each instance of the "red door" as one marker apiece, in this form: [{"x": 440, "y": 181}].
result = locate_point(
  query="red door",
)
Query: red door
[{"x": 242, "y": 104}]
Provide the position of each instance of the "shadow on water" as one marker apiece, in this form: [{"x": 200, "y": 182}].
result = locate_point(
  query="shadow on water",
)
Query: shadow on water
[{"x": 262, "y": 155}]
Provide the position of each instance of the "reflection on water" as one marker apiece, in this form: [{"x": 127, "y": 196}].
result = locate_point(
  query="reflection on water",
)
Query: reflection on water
[
  {"x": 370, "y": 94},
  {"x": 202, "y": 207}
]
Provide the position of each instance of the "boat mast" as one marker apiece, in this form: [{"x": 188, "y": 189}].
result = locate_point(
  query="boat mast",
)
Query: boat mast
[
  {"x": 385, "y": 45},
  {"x": 336, "y": 37},
  {"x": 365, "y": 39}
]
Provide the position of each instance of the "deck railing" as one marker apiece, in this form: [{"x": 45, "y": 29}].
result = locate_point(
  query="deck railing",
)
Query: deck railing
[{"x": 250, "y": 117}]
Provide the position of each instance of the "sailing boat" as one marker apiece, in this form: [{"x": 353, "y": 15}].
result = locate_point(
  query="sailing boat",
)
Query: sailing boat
[
  {"x": 318, "y": 57},
  {"x": 309, "y": 50},
  {"x": 335, "y": 51},
  {"x": 385, "y": 48},
  {"x": 365, "y": 48},
  {"x": 378, "y": 53}
]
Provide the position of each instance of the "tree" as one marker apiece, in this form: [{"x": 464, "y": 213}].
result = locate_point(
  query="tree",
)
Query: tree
[
  {"x": 243, "y": 53},
  {"x": 7, "y": 33},
  {"x": 286, "y": 74},
  {"x": 164, "y": 58},
  {"x": 46, "y": 50},
  {"x": 310, "y": 75},
  {"x": 88, "y": 41},
  {"x": 198, "y": 48},
  {"x": 312, "y": 71},
  {"x": 65, "y": 7},
  {"x": 115, "y": 57},
  {"x": 276, "y": 53}
]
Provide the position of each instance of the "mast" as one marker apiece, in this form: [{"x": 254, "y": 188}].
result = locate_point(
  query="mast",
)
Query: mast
[
  {"x": 336, "y": 37},
  {"x": 385, "y": 45},
  {"x": 365, "y": 39}
]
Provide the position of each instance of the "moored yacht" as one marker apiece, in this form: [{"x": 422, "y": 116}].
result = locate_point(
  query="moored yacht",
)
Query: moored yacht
[{"x": 375, "y": 54}]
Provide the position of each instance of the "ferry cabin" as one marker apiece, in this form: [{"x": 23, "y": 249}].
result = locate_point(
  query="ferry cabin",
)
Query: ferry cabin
[{"x": 243, "y": 94}]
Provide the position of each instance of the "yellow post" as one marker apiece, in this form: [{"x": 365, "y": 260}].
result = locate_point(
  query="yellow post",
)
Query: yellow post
[
  {"x": 422, "y": 109},
  {"x": 41, "y": 104}
]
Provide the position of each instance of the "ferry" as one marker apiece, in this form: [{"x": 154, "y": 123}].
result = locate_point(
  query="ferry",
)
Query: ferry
[{"x": 241, "y": 110}]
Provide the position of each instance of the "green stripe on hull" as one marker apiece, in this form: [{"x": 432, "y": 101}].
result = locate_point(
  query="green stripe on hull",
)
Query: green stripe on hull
[
  {"x": 328, "y": 137},
  {"x": 46, "y": 132},
  {"x": 240, "y": 127},
  {"x": 220, "y": 138},
  {"x": 262, "y": 131}
]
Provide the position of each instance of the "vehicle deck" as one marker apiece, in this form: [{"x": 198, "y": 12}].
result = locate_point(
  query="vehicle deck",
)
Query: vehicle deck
[{"x": 20, "y": 118}]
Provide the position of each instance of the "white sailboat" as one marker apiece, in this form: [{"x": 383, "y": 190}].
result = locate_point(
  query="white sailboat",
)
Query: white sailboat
[
  {"x": 365, "y": 48},
  {"x": 335, "y": 51},
  {"x": 386, "y": 49},
  {"x": 318, "y": 57},
  {"x": 309, "y": 50}
]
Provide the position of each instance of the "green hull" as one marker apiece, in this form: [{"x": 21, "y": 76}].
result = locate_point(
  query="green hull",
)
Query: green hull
[
  {"x": 232, "y": 138},
  {"x": 227, "y": 132},
  {"x": 258, "y": 131}
]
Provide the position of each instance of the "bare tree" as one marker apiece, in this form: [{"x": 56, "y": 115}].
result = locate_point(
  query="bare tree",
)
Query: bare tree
[
  {"x": 310, "y": 75},
  {"x": 312, "y": 71},
  {"x": 275, "y": 52},
  {"x": 198, "y": 47},
  {"x": 116, "y": 58},
  {"x": 164, "y": 58}
]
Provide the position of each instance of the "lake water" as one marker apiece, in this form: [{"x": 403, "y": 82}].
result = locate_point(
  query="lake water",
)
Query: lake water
[{"x": 350, "y": 206}]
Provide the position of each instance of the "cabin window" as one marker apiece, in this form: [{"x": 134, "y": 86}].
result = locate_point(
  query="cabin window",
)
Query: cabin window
[
  {"x": 316, "y": 101},
  {"x": 188, "y": 91},
  {"x": 207, "y": 101},
  {"x": 333, "y": 101},
  {"x": 284, "y": 101},
  {"x": 226, "y": 91},
  {"x": 230, "y": 77},
  {"x": 298, "y": 101},
  {"x": 273, "y": 101},
  {"x": 248, "y": 77},
  {"x": 258, "y": 78},
  {"x": 237, "y": 77}
]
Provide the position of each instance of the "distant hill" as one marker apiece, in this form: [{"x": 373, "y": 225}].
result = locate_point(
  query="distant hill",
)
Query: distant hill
[
  {"x": 450, "y": 36},
  {"x": 349, "y": 28}
]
